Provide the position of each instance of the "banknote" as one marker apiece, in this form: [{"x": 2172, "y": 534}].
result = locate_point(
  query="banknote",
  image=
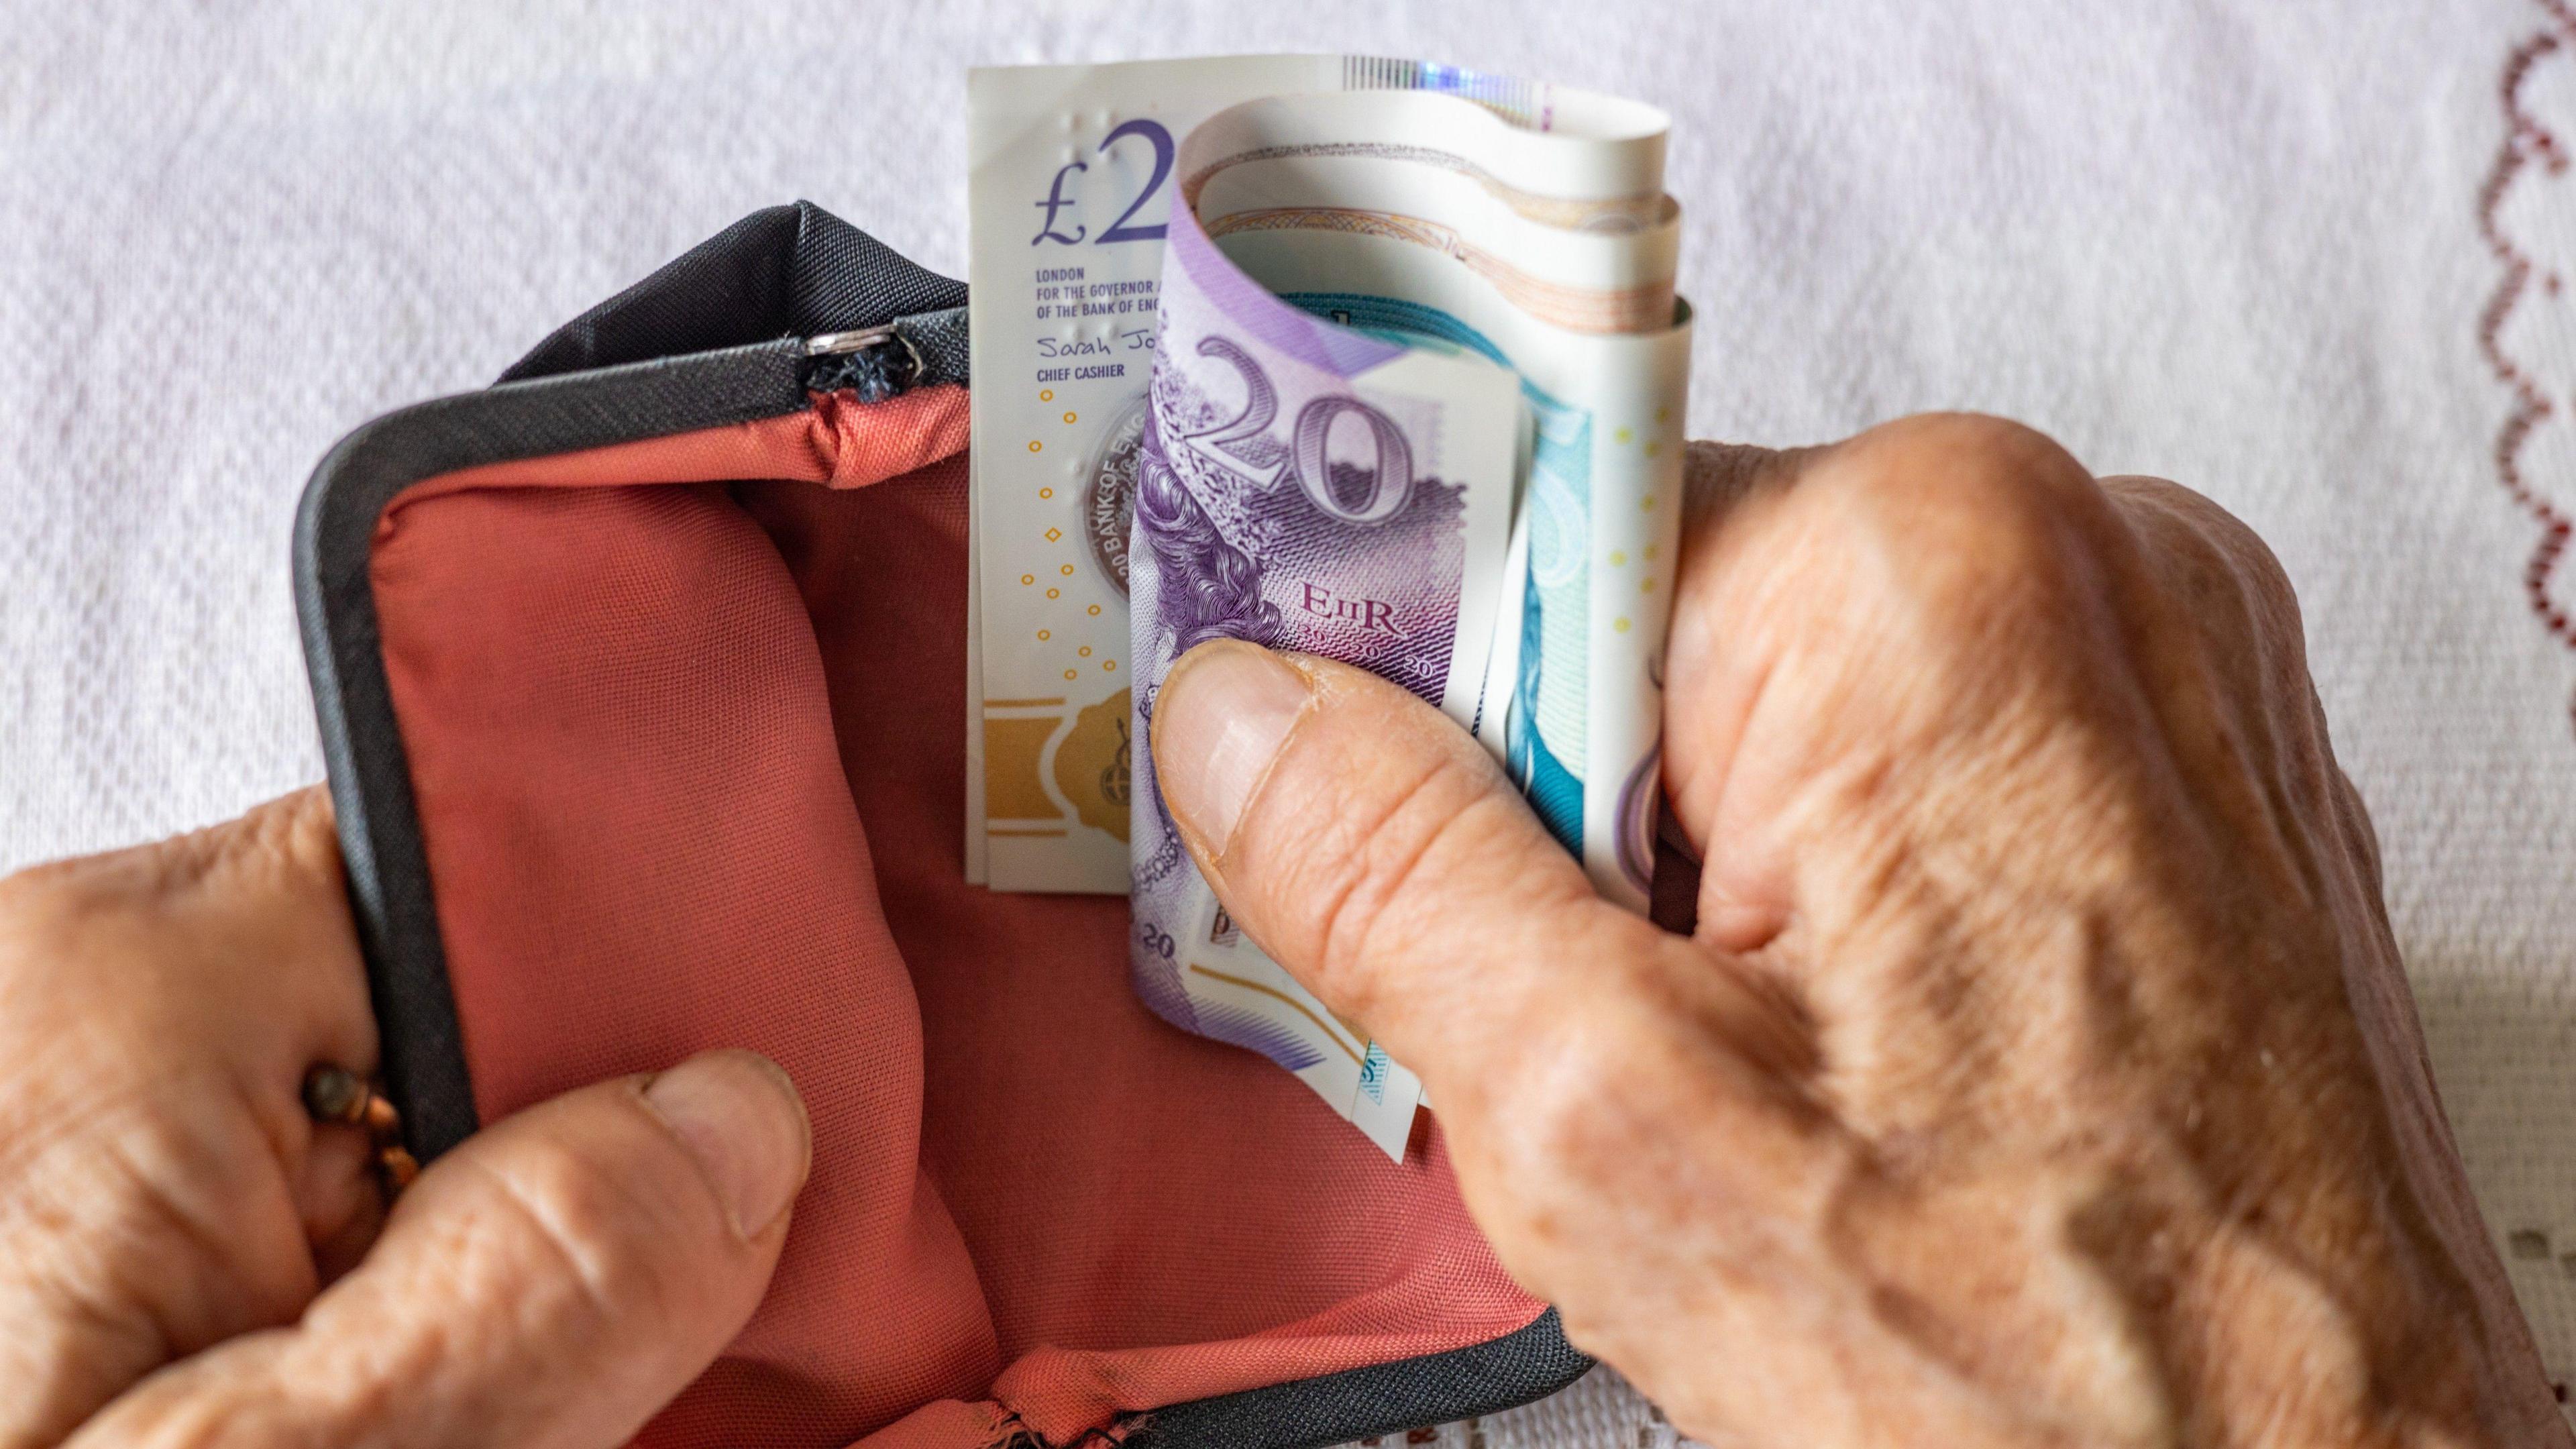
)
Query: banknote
[
  {"x": 1372, "y": 359},
  {"x": 1366, "y": 439},
  {"x": 1573, "y": 705},
  {"x": 1311, "y": 487},
  {"x": 1073, "y": 175},
  {"x": 1601, "y": 265}
]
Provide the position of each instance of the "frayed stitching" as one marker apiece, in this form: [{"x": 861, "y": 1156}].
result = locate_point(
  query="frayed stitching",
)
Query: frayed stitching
[
  {"x": 873, "y": 373},
  {"x": 1128, "y": 1433}
]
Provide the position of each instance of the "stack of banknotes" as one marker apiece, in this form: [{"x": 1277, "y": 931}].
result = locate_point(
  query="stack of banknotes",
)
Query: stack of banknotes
[{"x": 1372, "y": 359}]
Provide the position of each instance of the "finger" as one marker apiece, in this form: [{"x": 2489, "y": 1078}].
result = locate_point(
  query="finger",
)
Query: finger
[
  {"x": 272, "y": 889},
  {"x": 2241, "y": 657},
  {"x": 553, "y": 1281},
  {"x": 247, "y": 920},
  {"x": 1377, "y": 853},
  {"x": 342, "y": 1197},
  {"x": 1862, "y": 615},
  {"x": 1591, "y": 1069},
  {"x": 1716, "y": 478},
  {"x": 2244, "y": 616},
  {"x": 159, "y": 1187},
  {"x": 1713, "y": 678}
]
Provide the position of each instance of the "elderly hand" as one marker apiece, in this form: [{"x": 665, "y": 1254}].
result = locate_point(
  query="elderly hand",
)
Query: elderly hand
[
  {"x": 2041, "y": 1071},
  {"x": 169, "y": 1213}
]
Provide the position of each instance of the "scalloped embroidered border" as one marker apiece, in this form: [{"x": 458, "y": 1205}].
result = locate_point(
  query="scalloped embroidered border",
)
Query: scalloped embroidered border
[{"x": 2526, "y": 141}]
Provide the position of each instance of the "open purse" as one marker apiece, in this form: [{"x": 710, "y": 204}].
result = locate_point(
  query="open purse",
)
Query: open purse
[{"x": 641, "y": 677}]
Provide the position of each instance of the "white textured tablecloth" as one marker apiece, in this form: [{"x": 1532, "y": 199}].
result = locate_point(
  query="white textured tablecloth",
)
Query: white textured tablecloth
[{"x": 2297, "y": 253}]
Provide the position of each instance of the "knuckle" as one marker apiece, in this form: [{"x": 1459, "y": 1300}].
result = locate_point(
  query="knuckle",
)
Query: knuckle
[
  {"x": 1984, "y": 556},
  {"x": 1596, "y": 1107},
  {"x": 1572, "y": 1097},
  {"x": 286, "y": 842},
  {"x": 1990, "y": 444},
  {"x": 2209, "y": 554},
  {"x": 1970, "y": 515},
  {"x": 64, "y": 906}
]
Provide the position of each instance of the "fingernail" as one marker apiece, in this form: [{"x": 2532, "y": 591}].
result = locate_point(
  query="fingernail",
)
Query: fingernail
[
  {"x": 1225, "y": 709},
  {"x": 740, "y": 1117}
]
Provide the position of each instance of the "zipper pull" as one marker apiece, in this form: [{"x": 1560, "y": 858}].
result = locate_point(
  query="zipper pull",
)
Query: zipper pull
[{"x": 866, "y": 361}]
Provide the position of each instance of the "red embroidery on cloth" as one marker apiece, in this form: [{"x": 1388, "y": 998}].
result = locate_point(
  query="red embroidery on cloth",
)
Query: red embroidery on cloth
[{"x": 2527, "y": 141}]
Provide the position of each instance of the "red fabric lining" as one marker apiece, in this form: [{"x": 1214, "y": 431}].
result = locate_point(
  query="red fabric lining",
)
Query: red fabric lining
[{"x": 645, "y": 724}]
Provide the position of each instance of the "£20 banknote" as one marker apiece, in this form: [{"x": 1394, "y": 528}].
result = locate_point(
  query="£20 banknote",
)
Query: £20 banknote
[{"x": 1409, "y": 395}]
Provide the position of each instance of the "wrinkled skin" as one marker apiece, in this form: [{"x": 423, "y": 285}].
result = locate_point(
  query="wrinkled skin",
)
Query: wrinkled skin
[
  {"x": 169, "y": 1215},
  {"x": 2042, "y": 1071}
]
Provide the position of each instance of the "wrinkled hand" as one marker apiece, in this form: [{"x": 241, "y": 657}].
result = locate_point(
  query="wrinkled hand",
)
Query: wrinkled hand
[
  {"x": 2041, "y": 1071},
  {"x": 169, "y": 1214}
]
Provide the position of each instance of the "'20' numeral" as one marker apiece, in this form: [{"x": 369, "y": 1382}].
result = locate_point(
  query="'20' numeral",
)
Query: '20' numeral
[{"x": 1242, "y": 444}]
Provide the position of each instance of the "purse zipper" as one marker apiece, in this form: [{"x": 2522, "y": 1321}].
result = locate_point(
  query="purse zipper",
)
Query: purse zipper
[{"x": 866, "y": 361}]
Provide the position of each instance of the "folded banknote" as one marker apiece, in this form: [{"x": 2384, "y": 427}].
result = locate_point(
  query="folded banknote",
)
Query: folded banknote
[{"x": 1397, "y": 378}]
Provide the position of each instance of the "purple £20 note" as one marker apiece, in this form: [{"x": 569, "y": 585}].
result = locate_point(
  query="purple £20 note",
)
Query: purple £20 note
[{"x": 1306, "y": 486}]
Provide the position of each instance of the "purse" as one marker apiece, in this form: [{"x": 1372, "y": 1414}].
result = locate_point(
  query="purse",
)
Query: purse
[{"x": 641, "y": 682}]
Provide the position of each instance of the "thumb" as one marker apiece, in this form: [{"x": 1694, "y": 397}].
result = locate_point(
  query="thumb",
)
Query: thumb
[
  {"x": 553, "y": 1281},
  {"x": 1378, "y": 854}
]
